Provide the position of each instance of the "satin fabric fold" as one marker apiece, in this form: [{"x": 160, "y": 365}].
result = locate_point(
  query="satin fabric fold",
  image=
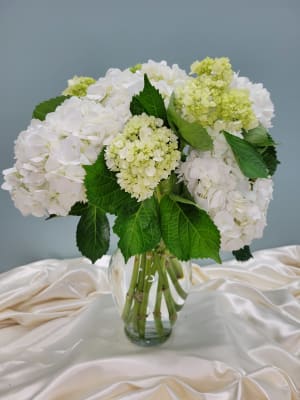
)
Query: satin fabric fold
[{"x": 237, "y": 338}]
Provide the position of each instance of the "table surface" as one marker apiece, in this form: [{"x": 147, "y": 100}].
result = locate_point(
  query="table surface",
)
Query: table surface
[{"x": 238, "y": 337}]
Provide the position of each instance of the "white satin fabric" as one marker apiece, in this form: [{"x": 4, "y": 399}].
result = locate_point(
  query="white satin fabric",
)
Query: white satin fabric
[{"x": 237, "y": 338}]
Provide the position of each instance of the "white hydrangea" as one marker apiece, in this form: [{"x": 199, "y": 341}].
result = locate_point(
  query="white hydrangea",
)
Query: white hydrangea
[
  {"x": 142, "y": 155},
  {"x": 262, "y": 105},
  {"x": 237, "y": 206},
  {"x": 163, "y": 77},
  {"x": 117, "y": 87},
  {"x": 48, "y": 176}
]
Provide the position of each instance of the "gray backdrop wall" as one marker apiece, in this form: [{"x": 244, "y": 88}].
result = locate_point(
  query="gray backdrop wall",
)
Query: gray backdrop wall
[{"x": 45, "y": 42}]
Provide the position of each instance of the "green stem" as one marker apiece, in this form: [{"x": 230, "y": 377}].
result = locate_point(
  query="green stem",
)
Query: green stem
[
  {"x": 174, "y": 279},
  {"x": 158, "y": 194},
  {"x": 146, "y": 290},
  {"x": 136, "y": 306},
  {"x": 167, "y": 292},
  {"x": 138, "y": 295},
  {"x": 177, "y": 267},
  {"x": 159, "y": 294},
  {"x": 131, "y": 290}
]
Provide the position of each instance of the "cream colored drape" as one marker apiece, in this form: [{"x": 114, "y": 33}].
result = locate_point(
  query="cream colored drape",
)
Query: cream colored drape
[{"x": 237, "y": 338}]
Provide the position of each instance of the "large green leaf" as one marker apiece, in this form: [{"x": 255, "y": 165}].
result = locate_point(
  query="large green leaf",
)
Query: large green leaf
[
  {"x": 78, "y": 208},
  {"x": 140, "y": 231},
  {"x": 269, "y": 155},
  {"x": 191, "y": 132},
  {"x": 103, "y": 190},
  {"x": 265, "y": 145},
  {"x": 258, "y": 136},
  {"x": 92, "y": 236},
  {"x": 187, "y": 231},
  {"x": 149, "y": 101},
  {"x": 44, "y": 108},
  {"x": 248, "y": 158}
]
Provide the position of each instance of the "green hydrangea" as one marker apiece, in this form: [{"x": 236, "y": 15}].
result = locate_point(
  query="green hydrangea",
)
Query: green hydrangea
[
  {"x": 217, "y": 70},
  {"x": 77, "y": 86},
  {"x": 142, "y": 155},
  {"x": 235, "y": 106},
  {"x": 135, "y": 68},
  {"x": 209, "y": 99}
]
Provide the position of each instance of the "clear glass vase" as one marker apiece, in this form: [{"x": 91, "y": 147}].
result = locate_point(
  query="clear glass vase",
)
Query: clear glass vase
[{"x": 149, "y": 290}]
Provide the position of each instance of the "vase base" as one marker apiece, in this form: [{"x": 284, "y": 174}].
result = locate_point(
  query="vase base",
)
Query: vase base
[{"x": 151, "y": 336}]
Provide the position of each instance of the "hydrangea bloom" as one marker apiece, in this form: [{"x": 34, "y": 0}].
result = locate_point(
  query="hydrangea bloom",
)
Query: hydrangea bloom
[
  {"x": 117, "y": 87},
  {"x": 262, "y": 105},
  {"x": 163, "y": 77},
  {"x": 142, "y": 155},
  {"x": 48, "y": 175},
  {"x": 77, "y": 86},
  {"x": 237, "y": 206},
  {"x": 221, "y": 100},
  {"x": 209, "y": 99}
]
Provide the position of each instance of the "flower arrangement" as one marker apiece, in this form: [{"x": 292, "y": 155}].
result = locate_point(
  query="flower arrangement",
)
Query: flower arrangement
[
  {"x": 186, "y": 159},
  {"x": 184, "y": 162}
]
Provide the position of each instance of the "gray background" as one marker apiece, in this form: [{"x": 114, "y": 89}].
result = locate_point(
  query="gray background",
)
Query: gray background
[{"x": 45, "y": 42}]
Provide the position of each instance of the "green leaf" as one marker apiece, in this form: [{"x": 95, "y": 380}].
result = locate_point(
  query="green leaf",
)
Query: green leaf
[
  {"x": 248, "y": 158},
  {"x": 258, "y": 136},
  {"x": 183, "y": 200},
  {"x": 191, "y": 132},
  {"x": 42, "y": 109},
  {"x": 149, "y": 101},
  {"x": 136, "y": 107},
  {"x": 264, "y": 144},
  {"x": 269, "y": 156},
  {"x": 103, "y": 190},
  {"x": 78, "y": 208},
  {"x": 140, "y": 231},
  {"x": 92, "y": 236},
  {"x": 168, "y": 185},
  {"x": 242, "y": 254},
  {"x": 187, "y": 231}
]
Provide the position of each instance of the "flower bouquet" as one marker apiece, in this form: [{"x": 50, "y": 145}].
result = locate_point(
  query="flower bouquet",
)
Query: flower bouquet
[{"x": 183, "y": 162}]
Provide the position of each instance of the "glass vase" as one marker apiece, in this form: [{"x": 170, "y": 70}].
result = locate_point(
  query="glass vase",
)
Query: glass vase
[{"x": 149, "y": 290}]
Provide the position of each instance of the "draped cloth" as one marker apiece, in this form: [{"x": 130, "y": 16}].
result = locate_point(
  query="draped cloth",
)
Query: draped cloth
[{"x": 238, "y": 336}]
